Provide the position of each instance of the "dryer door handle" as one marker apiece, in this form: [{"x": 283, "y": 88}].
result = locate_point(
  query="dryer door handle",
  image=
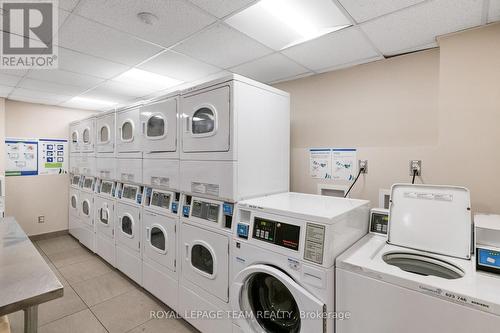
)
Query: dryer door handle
[
  {"x": 187, "y": 251},
  {"x": 188, "y": 123},
  {"x": 143, "y": 127},
  {"x": 148, "y": 234}
]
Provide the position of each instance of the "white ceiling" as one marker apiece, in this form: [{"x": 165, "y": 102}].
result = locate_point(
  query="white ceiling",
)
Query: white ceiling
[{"x": 99, "y": 40}]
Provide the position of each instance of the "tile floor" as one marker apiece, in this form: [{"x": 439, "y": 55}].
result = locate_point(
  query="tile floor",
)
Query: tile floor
[{"x": 97, "y": 298}]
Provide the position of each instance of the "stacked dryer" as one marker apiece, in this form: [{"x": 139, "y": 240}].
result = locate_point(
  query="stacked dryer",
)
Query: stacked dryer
[
  {"x": 83, "y": 172},
  {"x": 235, "y": 145},
  {"x": 104, "y": 212}
]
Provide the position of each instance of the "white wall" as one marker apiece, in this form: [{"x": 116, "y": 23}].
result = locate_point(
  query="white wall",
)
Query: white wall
[{"x": 31, "y": 196}]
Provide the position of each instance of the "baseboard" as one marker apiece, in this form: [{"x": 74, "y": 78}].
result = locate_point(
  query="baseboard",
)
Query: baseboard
[{"x": 48, "y": 235}]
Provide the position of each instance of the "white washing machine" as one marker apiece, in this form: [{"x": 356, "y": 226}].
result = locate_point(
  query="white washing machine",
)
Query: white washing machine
[
  {"x": 232, "y": 129},
  {"x": 160, "y": 221},
  {"x": 282, "y": 260},
  {"x": 129, "y": 132},
  {"x": 87, "y": 135},
  {"x": 104, "y": 218},
  {"x": 204, "y": 256},
  {"x": 128, "y": 229},
  {"x": 105, "y": 134},
  {"x": 74, "y": 223},
  {"x": 87, "y": 230},
  {"x": 421, "y": 278},
  {"x": 74, "y": 137},
  {"x": 159, "y": 127}
]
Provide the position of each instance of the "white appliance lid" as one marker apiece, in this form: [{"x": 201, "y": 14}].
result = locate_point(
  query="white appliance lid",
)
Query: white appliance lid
[{"x": 431, "y": 218}]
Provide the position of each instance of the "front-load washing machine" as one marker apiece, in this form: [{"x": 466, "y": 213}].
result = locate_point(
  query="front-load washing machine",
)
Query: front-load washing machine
[
  {"x": 87, "y": 231},
  {"x": 87, "y": 135},
  {"x": 160, "y": 222},
  {"x": 106, "y": 129},
  {"x": 235, "y": 135},
  {"x": 421, "y": 278},
  {"x": 74, "y": 223},
  {"x": 104, "y": 218},
  {"x": 128, "y": 132},
  {"x": 128, "y": 229},
  {"x": 204, "y": 256},
  {"x": 282, "y": 260}
]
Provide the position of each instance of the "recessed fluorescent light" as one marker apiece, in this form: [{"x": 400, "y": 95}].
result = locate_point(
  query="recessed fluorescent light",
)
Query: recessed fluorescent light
[
  {"x": 146, "y": 79},
  {"x": 92, "y": 103},
  {"x": 283, "y": 23}
]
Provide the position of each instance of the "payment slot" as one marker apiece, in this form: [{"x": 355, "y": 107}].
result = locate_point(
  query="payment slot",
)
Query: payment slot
[
  {"x": 379, "y": 221},
  {"x": 487, "y": 243},
  {"x": 163, "y": 200}
]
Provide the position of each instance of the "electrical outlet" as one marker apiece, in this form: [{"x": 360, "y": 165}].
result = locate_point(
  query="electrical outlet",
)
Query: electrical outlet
[
  {"x": 416, "y": 165},
  {"x": 363, "y": 164},
  {"x": 41, "y": 219}
]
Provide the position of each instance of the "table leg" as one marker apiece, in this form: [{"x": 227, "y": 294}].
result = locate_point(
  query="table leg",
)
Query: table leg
[{"x": 31, "y": 319}]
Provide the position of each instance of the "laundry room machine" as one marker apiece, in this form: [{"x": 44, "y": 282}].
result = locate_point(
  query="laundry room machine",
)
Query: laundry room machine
[
  {"x": 235, "y": 135},
  {"x": 104, "y": 219},
  {"x": 204, "y": 259},
  {"x": 421, "y": 277},
  {"x": 87, "y": 232},
  {"x": 105, "y": 145},
  {"x": 282, "y": 260},
  {"x": 74, "y": 223}
]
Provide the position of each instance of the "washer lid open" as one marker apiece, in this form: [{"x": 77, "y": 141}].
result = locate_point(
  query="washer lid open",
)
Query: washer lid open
[{"x": 431, "y": 218}]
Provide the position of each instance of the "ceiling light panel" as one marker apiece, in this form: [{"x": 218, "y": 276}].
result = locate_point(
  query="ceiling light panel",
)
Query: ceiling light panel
[
  {"x": 494, "y": 13},
  {"x": 50, "y": 87},
  {"x": 221, "y": 8},
  {"x": 419, "y": 25},
  {"x": 364, "y": 10},
  {"x": 175, "y": 19},
  {"x": 335, "y": 49},
  {"x": 147, "y": 81},
  {"x": 270, "y": 68},
  {"x": 283, "y": 23},
  {"x": 222, "y": 46},
  {"x": 89, "y": 103},
  {"x": 178, "y": 66},
  {"x": 38, "y": 96},
  {"x": 64, "y": 77}
]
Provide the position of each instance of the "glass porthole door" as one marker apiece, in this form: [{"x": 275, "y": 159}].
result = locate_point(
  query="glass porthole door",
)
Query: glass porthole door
[
  {"x": 204, "y": 121},
  {"x": 159, "y": 126},
  {"x": 127, "y": 226},
  {"x": 127, "y": 131},
  {"x": 104, "y": 134}
]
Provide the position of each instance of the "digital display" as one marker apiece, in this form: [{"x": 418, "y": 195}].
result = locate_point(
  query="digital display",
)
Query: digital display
[
  {"x": 106, "y": 187},
  {"x": 379, "y": 223},
  {"x": 76, "y": 180},
  {"x": 160, "y": 199},
  {"x": 206, "y": 210},
  {"x": 129, "y": 192},
  {"x": 488, "y": 259},
  {"x": 88, "y": 182},
  {"x": 279, "y": 233}
]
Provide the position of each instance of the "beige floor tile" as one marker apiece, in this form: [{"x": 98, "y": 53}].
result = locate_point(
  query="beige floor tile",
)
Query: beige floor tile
[
  {"x": 68, "y": 304},
  {"x": 126, "y": 311},
  {"x": 80, "y": 322},
  {"x": 84, "y": 270},
  {"x": 165, "y": 325},
  {"x": 102, "y": 288},
  {"x": 57, "y": 244},
  {"x": 69, "y": 257}
]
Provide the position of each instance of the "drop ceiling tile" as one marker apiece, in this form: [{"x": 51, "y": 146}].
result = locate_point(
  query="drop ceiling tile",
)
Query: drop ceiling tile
[
  {"x": 419, "y": 25},
  {"x": 98, "y": 40},
  {"x": 175, "y": 19},
  {"x": 118, "y": 92},
  {"x": 64, "y": 77},
  {"x": 77, "y": 62},
  {"x": 222, "y": 46},
  {"x": 351, "y": 64},
  {"x": 335, "y": 49},
  {"x": 222, "y": 8},
  {"x": 364, "y": 10},
  {"x": 415, "y": 49},
  {"x": 5, "y": 90},
  {"x": 15, "y": 72},
  {"x": 270, "y": 68},
  {"x": 50, "y": 87},
  {"x": 178, "y": 66},
  {"x": 9, "y": 80},
  {"x": 68, "y": 5},
  {"x": 36, "y": 96},
  {"x": 494, "y": 13}
]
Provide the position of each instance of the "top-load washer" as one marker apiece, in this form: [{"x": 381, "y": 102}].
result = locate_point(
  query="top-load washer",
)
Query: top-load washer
[
  {"x": 421, "y": 278},
  {"x": 128, "y": 132},
  {"x": 235, "y": 135},
  {"x": 105, "y": 130},
  {"x": 282, "y": 260}
]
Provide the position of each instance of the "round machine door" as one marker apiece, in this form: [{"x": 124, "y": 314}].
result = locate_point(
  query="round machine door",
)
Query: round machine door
[
  {"x": 127, "y": 225},
  {"x": 155, "y": 127},
  {"x": 275, "y": 301},
  {"x": 73, "y": 202},
  {"x": 127, "y": 131},
  {"x": 159, "y": 243},
  {"x": 104, "y": 134},
  {"x": 86, "y": 211},
  {"x": 74, "y": 138},
  {"x": 204, "y": 121}
]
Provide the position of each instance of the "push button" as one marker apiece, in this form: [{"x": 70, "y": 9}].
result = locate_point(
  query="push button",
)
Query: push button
[
  {"x": 242, "y": 230},
  {"x": 185, "y": 211},
  {"x": 175, "y": 207}
]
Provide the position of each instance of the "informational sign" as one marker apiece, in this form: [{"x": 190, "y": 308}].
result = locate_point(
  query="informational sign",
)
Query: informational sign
[
  {"x": 320, "y": 163},
  {"x": 344, "y": 164},
  {"x": 31, "y": 157},
  {"x": 22, "y": 157},
  {"x": 52, "y": 156},
  {"x": 333, "y": 163}
]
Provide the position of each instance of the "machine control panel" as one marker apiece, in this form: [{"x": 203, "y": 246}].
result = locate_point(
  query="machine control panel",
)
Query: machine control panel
[
  {"x": 488, "y": 260},
  {"x": 315, "y": 243},
  {"x": 107, "y": 187},
  {"x": 278, "y": 233},
  {"x": 205, "y": 210},
  {"x": 75, "y": 180},
  {"x": 161, "y": 199},
  {"x": 131, "y": 192},
  {"x": 379, "y": 221}
]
